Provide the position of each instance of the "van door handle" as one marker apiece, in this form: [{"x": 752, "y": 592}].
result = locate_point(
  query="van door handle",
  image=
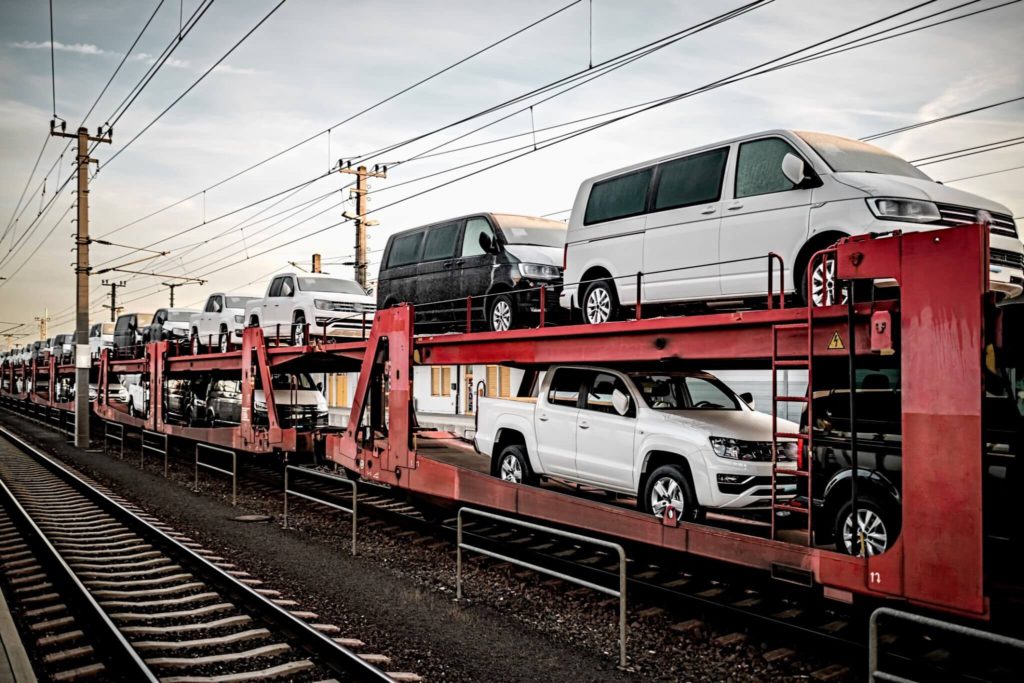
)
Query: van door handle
[
  {"x": 457, "y": 262},
  {"x": 737, "y": 205},
  {"x": 447, "y": 264},
  {"x": 709, "y": 210}
]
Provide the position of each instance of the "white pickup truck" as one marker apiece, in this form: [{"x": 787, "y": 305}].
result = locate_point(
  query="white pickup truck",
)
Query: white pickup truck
[
  {"x": 331, "y": 306},
  {"x": 668, "y": 437},
  {"x": 219, "y": 324}
]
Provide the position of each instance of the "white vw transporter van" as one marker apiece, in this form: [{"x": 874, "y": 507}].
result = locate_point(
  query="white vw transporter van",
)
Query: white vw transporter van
[{"x": 700, "y": 223}]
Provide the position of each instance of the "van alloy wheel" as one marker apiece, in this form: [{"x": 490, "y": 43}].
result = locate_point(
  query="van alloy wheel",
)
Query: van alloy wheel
[
  {"x": 823, "y": 285},
  {"x": 511, "y": 469},
  {"x": 666, "y": 491},
  {"x": 871, "y": 537},
  {"x": 598, "y": 305},
  {"x": 501, "y": 315}
]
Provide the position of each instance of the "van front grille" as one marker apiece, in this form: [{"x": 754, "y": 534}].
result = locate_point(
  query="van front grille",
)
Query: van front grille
[
  {"x": 960, "y": 215},
  {"x": 1010, "y": 259}
]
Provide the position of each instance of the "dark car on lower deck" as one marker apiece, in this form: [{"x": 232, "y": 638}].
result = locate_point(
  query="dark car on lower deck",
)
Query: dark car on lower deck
[{"x": 492, "y": 264}]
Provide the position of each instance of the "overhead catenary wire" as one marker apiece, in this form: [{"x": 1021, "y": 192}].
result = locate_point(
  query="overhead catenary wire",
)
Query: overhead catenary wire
[
  {"x": 982, "y": 175},
  {"x": 968, "y": 151},
  {"x": 351, "y": 117},
  {"x": 947, "y": 117}
]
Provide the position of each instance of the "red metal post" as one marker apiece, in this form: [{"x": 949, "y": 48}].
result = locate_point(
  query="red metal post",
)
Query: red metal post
[
  {"x": 469, "y": 314},
  {"x": 543, "y": 303},
  {"x": 639, "y": 295}
]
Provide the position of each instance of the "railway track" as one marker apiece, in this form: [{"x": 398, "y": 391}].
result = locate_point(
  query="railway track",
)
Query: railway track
[
  {"x": 679, "y": 589},
  {"x": 103, "y": 593}
]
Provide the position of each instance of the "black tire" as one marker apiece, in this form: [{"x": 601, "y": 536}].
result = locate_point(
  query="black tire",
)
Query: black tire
[
  {"x": 224, "y": 343},
  {"x": 600, "y": 303},
  {"x": 131, "y": 408},
  {"x": 511, "y": 464},
  {"x": 299, "y": 331},
  {"x": 670, "y": 482},
  {"x": 881, "y": 521},
  {"x": 502, "y": 314},
  {"x": 195, "y": 345},
  {"x": 188, "y": 417}
]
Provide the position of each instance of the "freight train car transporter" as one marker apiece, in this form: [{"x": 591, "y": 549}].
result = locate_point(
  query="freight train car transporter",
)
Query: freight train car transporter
[{"x": 939, "y": 330}]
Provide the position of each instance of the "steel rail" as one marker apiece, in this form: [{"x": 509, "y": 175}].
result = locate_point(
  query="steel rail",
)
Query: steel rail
[{"x": 327, "y": 652}]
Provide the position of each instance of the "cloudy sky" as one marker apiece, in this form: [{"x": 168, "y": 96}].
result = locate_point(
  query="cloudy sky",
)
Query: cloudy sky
[{"x": 313, "y": 64}]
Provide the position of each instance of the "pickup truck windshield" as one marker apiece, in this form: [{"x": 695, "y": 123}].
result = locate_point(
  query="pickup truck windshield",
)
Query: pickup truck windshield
[
  {"x": 851, "y": 156},
  {"x": 662, "y": 391},
  {"x": 238, "y": 301},
  {"x": 330, "y": 285}
]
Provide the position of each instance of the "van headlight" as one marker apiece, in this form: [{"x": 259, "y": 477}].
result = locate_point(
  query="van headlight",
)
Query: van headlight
[
  {"x": 537, "y": 271},
  {"x": 912, "y": 210},
  {"x": 260, "y": 406}
]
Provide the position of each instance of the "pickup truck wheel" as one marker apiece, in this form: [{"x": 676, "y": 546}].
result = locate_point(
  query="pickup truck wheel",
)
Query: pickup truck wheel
[
  {"x": 600, "y": 304},
  {"x": 513, "y": 466},
  {"x": 503, "y": 313},
  {"x": 195, "y": 344},
  {"x": 874, "y": 531},
  {"x": 225, "y": 341},
  {"x": 669, "y": 485}
]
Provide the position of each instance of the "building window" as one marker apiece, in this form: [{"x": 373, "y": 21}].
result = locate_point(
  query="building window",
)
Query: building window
[
  {"x": 440, "y": 381},
  {"x": 499, "y": 381},
  {"x": 338, "y": 391}
]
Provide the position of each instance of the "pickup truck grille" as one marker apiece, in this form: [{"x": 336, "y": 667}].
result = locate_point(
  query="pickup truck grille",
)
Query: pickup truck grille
[
  {"x": 348, "y": 307},
  {"x": 959, "y": 215}
]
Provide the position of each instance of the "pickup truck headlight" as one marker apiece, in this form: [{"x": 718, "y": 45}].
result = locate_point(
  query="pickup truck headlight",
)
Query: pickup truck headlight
[
  {"x": 736, "y": 449},
  {"x": 911, "y": 210},
  {"x": 537, "y": 271}
]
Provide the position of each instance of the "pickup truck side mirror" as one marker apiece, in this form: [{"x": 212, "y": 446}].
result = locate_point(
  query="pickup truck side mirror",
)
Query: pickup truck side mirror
[
  {"x": 748, "y": 398},
  {"x": 620, "y": 401},
  {"x": 320, "y": 387}
]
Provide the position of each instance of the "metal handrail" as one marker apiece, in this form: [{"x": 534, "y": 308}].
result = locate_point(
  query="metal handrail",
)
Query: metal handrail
[
  {"x": 155, "y": 449},
  {"x": 335, "y": 506},
  {"x": 108, "y": 436},
  {"x": 875, "y": 674},
  {"x": 620, "y": 593},
  {"x": 233, "y": 472}
]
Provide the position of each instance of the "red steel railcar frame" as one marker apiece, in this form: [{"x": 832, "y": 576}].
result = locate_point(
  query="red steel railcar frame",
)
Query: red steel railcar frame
[{"x": 937, "y": 561}]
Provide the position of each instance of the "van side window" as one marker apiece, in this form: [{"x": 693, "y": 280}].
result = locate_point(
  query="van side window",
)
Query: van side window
[
  {"x": 441, "y": 242},
  {"x": 565, "y": 387},
  {"x": 618, "y": 197},
  {"x": 405, "y": 249},
  {"x": 759, "y": 167},
  {"x": 471, "y": 241},
  {"x": 690, "y": 181}
]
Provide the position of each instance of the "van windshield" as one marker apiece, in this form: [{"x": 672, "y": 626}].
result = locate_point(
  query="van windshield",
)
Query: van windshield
[
  {"x": 851, "y": 156},
  {"x": 538, "y": 232},
  {"x": 302, "y": 381}
]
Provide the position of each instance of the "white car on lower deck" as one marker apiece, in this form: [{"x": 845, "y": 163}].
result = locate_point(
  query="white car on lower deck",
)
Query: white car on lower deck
[{"x": 668, "y": 437}]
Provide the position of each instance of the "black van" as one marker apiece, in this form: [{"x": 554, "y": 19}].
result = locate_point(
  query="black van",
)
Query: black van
[
  {"x": 128, "y": 333},
  {"x": 500, "y": 260}
]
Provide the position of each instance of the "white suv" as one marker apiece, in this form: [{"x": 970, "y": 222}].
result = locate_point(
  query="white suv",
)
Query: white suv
[
  {"x": 698, "y": 225},
  {"x": 667, "y": 437}
]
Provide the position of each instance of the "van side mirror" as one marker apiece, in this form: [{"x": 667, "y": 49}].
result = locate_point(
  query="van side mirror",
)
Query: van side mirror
[
  {"x": 320, "y": 387},
  {"x": 748, "y": 398},
  {"x": 793, "y": 168},
  {"x": 487, "y": 244},
  {"x": 620, "y": 401}
]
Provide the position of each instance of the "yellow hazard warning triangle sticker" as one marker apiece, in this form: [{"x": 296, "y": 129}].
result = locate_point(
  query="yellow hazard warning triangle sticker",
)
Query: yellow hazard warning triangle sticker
[{"x": 837, "y": 342}]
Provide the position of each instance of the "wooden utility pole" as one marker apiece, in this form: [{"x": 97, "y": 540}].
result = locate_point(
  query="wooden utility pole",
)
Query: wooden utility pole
[
  {"x": 360, "y": 191},
  {"x": 113, "y": 297},
  {"x": 82, "y": 359},
  {"x": 316, "y": 264}
]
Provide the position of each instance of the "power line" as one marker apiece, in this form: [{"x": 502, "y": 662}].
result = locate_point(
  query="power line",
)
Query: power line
[
  {"x": 914, "y": 126},
  {"x": 356, "y": 115},
  {"x": 968, "y": 151},
  {"x": 196, "y": 82},
  {"x": 982, "y": 175}
]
